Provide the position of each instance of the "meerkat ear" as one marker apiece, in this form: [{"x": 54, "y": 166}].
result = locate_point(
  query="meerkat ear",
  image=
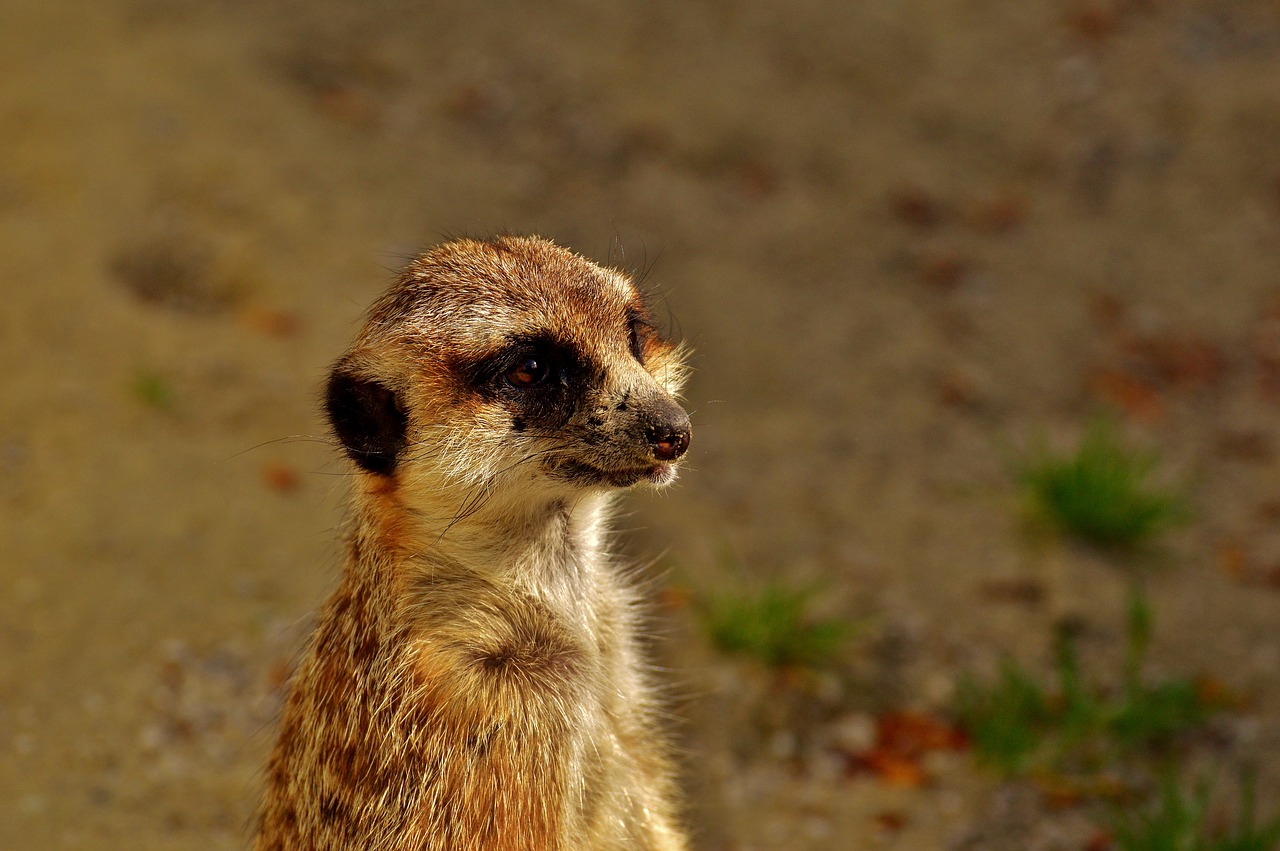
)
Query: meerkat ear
[{"x": 368, "y": 418}]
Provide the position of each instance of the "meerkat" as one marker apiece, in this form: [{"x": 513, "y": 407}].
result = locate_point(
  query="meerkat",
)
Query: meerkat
[{"x": 475, "y": 681}]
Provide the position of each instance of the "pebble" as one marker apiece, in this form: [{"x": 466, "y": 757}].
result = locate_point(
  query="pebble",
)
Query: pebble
[
  {"x": 854, "y": 732},
  {"x": 32, "y": 804},
  {"x": 24, "y": 744}
]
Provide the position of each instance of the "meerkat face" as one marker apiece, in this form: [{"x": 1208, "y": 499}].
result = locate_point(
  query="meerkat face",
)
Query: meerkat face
[{"x": 513, "y": 363}]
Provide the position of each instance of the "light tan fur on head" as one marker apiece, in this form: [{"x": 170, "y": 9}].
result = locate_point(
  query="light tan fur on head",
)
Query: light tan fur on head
[{"x": 474, "y": 682}]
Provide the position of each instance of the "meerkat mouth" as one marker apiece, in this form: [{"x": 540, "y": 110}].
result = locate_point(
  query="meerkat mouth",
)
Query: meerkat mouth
[{"x": 659, "y": 473}]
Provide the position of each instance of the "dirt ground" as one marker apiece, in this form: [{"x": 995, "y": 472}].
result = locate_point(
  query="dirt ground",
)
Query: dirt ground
[{"x": 901, "y": 237}]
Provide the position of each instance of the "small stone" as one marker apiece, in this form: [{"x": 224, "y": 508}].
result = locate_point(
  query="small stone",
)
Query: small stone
[
  {"x": 853, "y": 733},
  {"x": 24, "y": 744},
  {"x": 782, "y": 745},
  {"x": 32, "y": 804}
]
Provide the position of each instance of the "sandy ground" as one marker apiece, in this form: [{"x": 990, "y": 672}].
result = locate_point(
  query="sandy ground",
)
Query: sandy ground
[{"x": 902, "y": 238}]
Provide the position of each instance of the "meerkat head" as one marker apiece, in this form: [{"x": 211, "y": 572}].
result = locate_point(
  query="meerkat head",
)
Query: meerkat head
[{"x": 511, "y": 366}]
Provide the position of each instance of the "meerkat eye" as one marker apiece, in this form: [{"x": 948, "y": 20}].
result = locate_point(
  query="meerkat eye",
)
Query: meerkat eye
[
  {"x": 531, "y": 371},
  {"x": 641, "y": 329}
]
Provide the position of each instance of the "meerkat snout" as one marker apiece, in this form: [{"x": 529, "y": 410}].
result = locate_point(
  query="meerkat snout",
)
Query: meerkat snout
[{"x": 668, "y": 432}]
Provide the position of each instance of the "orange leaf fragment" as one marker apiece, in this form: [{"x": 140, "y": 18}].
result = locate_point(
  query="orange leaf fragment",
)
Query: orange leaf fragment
[
  {"x": 1233, "y": 561},
  {"x": 902, "y": 739},
  {"x": 917, "y": 207},
  {"x": 890, "y": 821},
  {"x": 1244, "y": 445},
  {"x": 1093, "y": 22},
  {"x": 757, "y": 178},
  {"x": 280, "y": 477},
  {"x": 1182, "y": 361},
  {"x": 1212, "y": 691},
  {"x": 1271, "y": 577},
  {"x": 1107, "y": 310},
  {"x": 674, "y": 598},
  {"x": 945, "y": 271},
  {"x": 915, "y": 733},
  {"x": 1100, "y": 841},
  {"x": 1059, "y": 793},
  {"x": 893, "y": 769},
  {"x": 1127, "y": 392},
  {"x": 1001, "y": 212},
  {"x": 269, "y": 321}
]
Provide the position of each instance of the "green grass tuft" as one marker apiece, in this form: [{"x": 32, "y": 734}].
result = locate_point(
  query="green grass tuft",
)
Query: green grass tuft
[
  {"x": 774, "y": 626},
  {"x": 1099, "y": 493},
  {"x": 153, "y": 390},
  {"x": 1179, "y": 821},
  {"x": 1007, "y": 721},
  {"x": 1017, "y": 724}
]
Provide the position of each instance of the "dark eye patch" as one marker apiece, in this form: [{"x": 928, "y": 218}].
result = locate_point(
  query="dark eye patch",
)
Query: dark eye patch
[
  {"x": 490, "y": 374},
  {"x": 546, "y": 404}
]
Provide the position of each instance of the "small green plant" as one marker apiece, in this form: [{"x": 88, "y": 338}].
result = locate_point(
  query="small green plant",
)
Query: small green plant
[
  {"x": 773, "y": 624},
  {"x": 1179, "y": 821},
  {"x": 1008, "y": 721},
  {"x": 1147, "y": 714},
  {"x": 153, "y": 390},
  {"x": 1017, "y": 724},
  {"x": 1099, "y": 493}
]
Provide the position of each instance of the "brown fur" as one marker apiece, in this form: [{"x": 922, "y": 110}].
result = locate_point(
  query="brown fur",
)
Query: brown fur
[{"x": 474, "y": 682}]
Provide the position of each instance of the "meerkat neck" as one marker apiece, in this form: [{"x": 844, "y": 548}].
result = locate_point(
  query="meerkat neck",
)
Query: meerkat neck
[{"x": 549, "y": 550}]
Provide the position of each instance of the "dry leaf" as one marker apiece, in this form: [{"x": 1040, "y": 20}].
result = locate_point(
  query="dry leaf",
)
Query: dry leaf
[
  {"x": 890, "y": 821},
  {"x": 1107, "y": 310},
  {"x": 915, "y": 733},
  {"x": 269, "y": 321},
  {"x": 280, "y": 477},
  {"x": 1213, "y": 692},
  {"x": 902, "y": 741},
  {"x": 674, "y": 598},
  {"x": 1001, "y": 212},
  {"x": 1184, "y": 362},
  {"x": 1093, "y": 21},
  {"x": 1130, "y": 394},
  {"x": 1248, "y": 446},
  {"x": 1233, "y": 561},
  {"x": 917, "y": 207},
  {"x": 892, "y": 769},
  {"x": 1100, "y": 841},
  {"x": 945, "y": 271}
]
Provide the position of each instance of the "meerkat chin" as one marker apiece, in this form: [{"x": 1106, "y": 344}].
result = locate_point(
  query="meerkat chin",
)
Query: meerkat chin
[{"x": 475, "y": 681}]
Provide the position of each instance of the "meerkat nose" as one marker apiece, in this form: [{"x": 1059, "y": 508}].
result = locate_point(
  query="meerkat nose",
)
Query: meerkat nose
[{"x": 669, "y": 434}]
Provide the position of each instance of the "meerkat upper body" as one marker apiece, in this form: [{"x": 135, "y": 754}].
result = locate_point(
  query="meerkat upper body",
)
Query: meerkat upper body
[{"x": 474, "y": 682}]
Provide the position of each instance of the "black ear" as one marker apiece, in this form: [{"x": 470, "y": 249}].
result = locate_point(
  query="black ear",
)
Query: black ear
[{"x": 369, "y": 420}]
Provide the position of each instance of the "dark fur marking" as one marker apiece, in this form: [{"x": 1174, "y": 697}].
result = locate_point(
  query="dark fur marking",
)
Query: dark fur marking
[
  {"x": 368, "y": 419},
  {"x": 332, "y": 809},
  {"x": 547, "y": 406},
  {"x": 537, "y": 660}
]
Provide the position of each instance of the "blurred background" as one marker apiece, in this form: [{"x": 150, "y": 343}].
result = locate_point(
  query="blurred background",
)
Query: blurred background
[{"x": 978, "y": 545}]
